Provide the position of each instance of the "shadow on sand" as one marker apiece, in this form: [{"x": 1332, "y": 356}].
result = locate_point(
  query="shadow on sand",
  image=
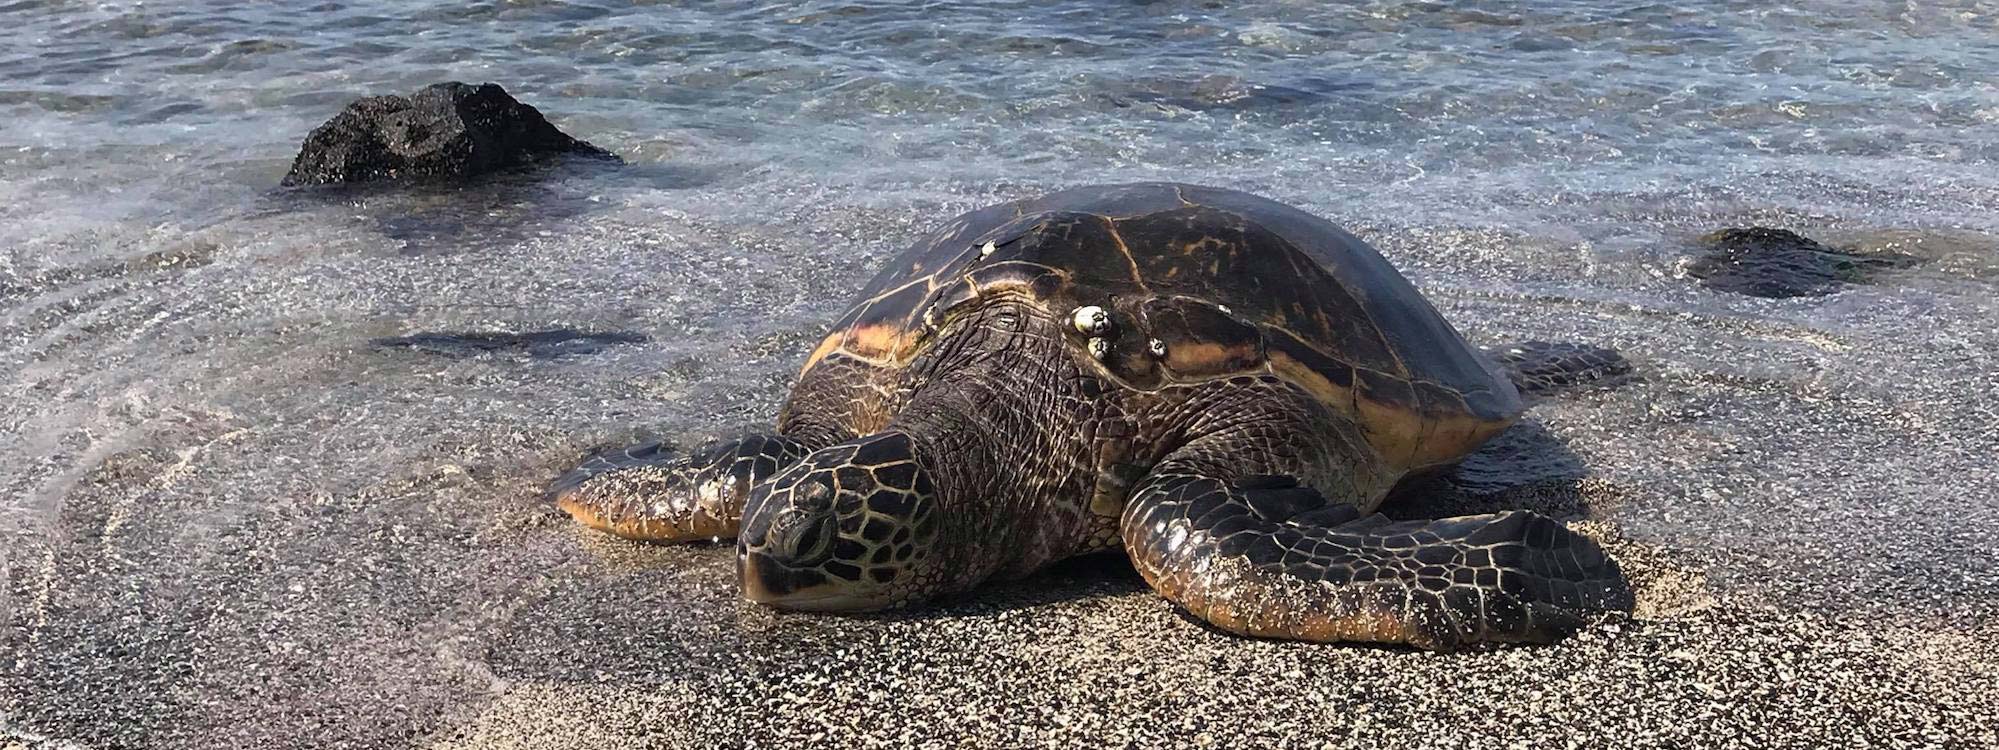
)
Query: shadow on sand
[{"x": 503, "y": 208}]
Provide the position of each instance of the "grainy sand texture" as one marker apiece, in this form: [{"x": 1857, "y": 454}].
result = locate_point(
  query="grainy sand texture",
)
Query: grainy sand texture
[{"x": 251, "y": 527}]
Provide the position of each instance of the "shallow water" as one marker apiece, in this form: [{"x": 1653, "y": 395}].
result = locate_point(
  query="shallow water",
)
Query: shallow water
[{"x": 230, "y": 509}]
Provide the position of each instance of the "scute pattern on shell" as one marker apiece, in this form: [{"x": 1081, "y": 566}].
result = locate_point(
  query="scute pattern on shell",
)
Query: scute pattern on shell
[{"x": 1201, "y": 283}]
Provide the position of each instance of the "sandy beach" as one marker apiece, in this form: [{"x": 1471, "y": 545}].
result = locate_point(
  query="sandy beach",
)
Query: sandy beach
[
  {"x": 234, "y": 517},
  {"x": 1811, "y": 563}
]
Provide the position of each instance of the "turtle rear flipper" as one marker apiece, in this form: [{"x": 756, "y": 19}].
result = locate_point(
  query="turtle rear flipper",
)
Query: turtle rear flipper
[
  {"x": 1544, "y": 367},
  {"x": 650, "y": 493},
  {"x": 1304, "y": 568}
]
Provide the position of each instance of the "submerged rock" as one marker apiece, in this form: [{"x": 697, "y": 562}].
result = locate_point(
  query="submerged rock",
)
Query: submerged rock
[
  {"x": 444, "y": 130},
  {"x": 1765, "y": 262},
  {"x": 550, "y": 344}
]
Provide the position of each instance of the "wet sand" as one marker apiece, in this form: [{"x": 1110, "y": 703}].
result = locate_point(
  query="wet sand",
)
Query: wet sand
[
  {"x": 252, "y": 525},
  {"x": 271, "y": 462}
]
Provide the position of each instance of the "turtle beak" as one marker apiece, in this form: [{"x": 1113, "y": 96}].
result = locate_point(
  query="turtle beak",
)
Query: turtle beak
[
  {"x": 764, "y": 581},
  {"x": 773, "y": 584}
]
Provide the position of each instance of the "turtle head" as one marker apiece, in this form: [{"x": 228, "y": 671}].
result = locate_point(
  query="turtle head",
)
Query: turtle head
[{"x": 850, "y": 528}]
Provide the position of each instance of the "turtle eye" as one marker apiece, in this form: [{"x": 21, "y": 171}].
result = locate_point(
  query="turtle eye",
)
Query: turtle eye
[
  {"x": 802, "y": 537},
  {"x": 1007, "y": 321},
  {"x": 814, "y": 541}
]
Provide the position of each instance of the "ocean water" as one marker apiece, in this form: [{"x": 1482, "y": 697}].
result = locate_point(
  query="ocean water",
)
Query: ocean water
[{"x": 223, "y": 507}]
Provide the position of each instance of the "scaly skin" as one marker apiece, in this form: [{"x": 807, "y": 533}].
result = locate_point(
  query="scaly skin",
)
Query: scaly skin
[
  {"x": 1248, "y": 506},
  {"x": 1224, "y": 386},
  {"x": 649, "y": 493},
  {"x": 1002, "y": 507}
]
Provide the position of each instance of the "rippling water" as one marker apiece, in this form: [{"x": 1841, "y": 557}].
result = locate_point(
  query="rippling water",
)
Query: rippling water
[
  {"x": 1451, "y": 113},
  {"x": 196, "y": 428}
]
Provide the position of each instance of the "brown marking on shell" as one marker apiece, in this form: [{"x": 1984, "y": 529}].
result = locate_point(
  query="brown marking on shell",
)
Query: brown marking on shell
[
  {"x": 1330, "y": 379},
  {"x": 1137, "y": 277},
  {"x": 1200, "y": 340},
  {"x": 1455, "y": 427},
  {"x": 1032, "y": 280},
  {"x": 883, "y": 330},
  {"x": 1419, "y": 425},
  {"x": 1202, "y": 358},
  {"x": 880, "y": 342},
  {"x": 1313, "y": 381},
  {"x": 1454, "y": 435},
  {"x": 826, "y": 346},
  {"x": 1389, "y": 412},
  {"x": 1320, "y": 302},
  {"x": 1206, "y": 244}
]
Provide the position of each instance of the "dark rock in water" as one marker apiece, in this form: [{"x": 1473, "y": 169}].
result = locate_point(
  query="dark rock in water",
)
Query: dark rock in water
[
  {"x": 560, "y": 342},
  {"x": 445, "y": 130},
  {"x": 1765, "y": 262}
]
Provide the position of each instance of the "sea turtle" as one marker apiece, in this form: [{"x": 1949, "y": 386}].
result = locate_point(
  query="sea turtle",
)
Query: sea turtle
[{"x": 1222, "y": 385}]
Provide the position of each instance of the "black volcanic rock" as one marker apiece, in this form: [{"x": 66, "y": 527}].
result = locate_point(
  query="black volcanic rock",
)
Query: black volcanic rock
[
  {"x": 548, "y": 344},
  {"x": 444, "y": 130},
  {"x": 1765, "y": 262}
]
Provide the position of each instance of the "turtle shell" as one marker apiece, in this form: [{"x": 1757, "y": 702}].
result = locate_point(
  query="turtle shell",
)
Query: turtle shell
[{"x": 1202, "y": 283}]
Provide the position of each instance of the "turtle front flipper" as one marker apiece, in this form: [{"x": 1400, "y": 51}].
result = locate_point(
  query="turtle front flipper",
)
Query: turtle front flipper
[
  {"x": 1264, "y": 556},
  {"x": 649, "y": 493}
]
